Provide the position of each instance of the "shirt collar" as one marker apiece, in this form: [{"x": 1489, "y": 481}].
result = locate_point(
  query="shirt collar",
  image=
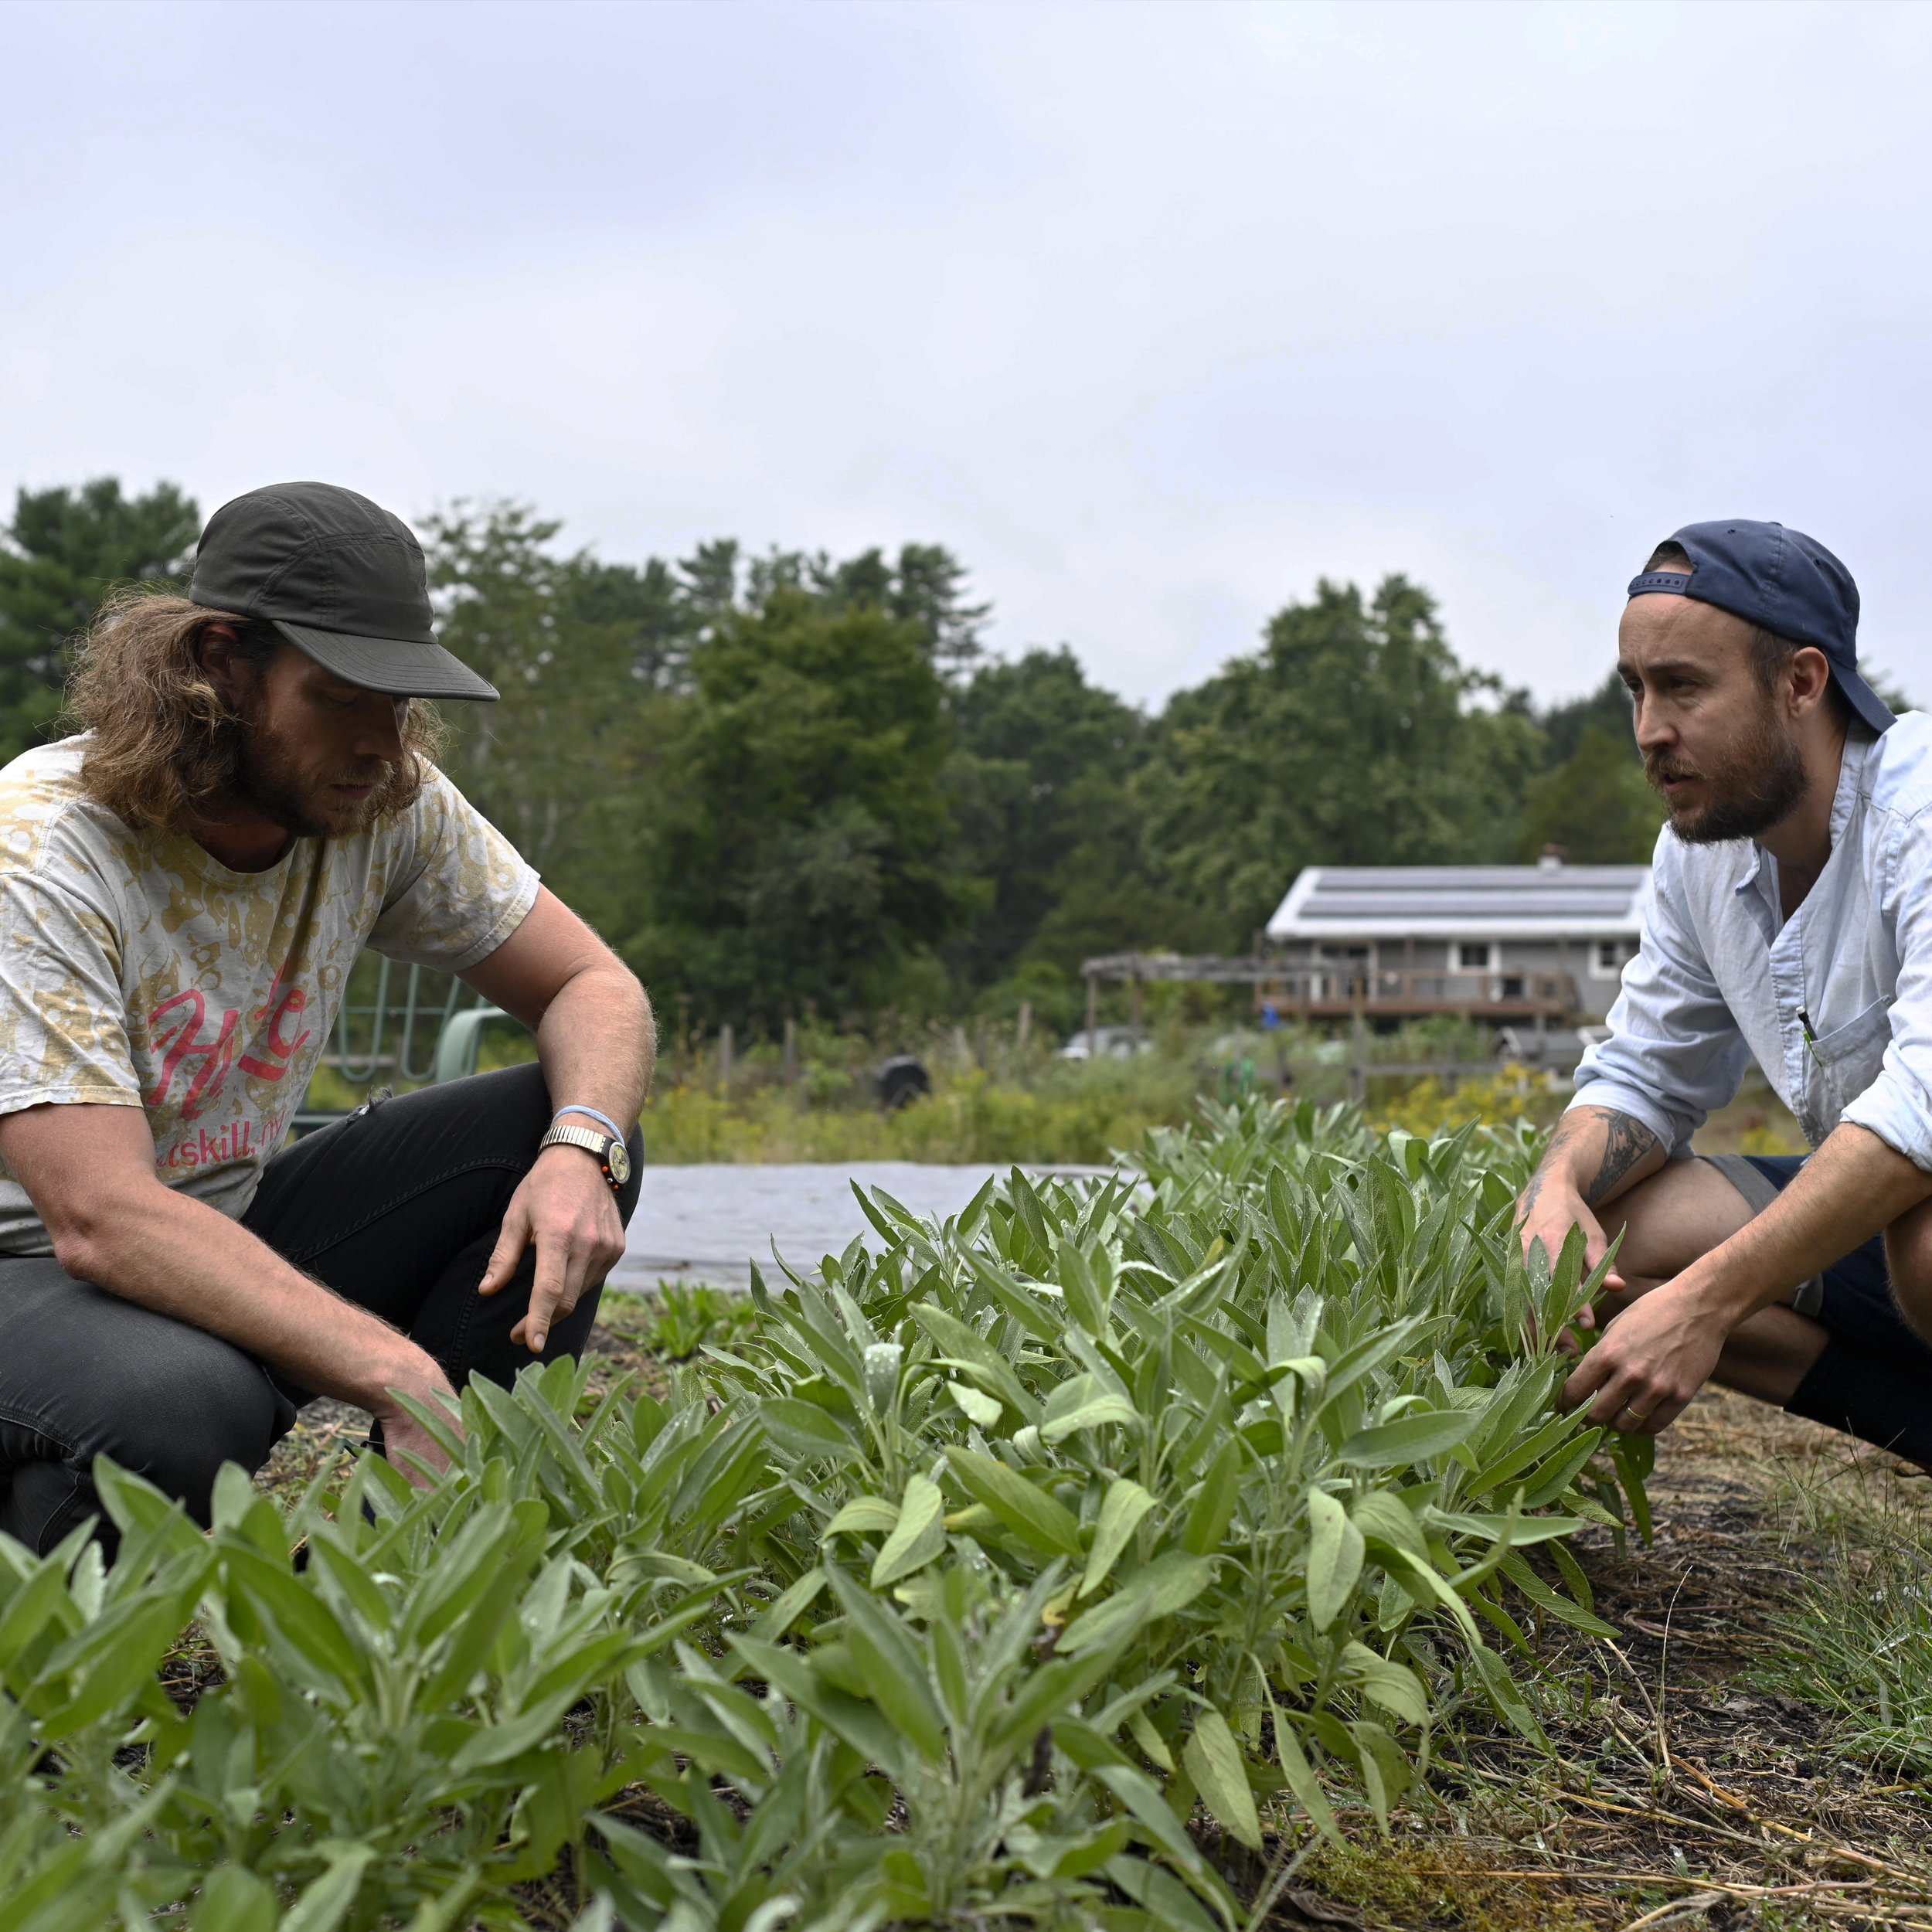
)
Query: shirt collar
[
  {"x": 1851, "y": 769},
  {"x": 1850, "y": 772}
]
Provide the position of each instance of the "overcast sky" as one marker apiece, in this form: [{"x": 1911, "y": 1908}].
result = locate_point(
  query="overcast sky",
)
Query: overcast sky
[{"x": 1155, "y": 314}]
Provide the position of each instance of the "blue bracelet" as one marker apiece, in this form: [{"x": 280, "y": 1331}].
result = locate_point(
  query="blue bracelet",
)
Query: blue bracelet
[{"x": 604, "y": 1120}]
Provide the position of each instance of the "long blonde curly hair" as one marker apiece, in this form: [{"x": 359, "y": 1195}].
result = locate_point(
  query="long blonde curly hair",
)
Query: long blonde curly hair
[{"x": 165, "y": 744}]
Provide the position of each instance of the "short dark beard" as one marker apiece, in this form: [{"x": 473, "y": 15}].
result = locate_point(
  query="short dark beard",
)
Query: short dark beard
[{"x": 1757, "y": 787}]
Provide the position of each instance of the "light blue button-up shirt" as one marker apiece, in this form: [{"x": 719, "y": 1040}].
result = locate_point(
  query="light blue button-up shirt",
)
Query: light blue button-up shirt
[{"x": 1834, "y": 1003}]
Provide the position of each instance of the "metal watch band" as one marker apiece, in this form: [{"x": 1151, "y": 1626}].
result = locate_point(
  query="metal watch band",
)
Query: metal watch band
[{"x": 612, "y": 1155}]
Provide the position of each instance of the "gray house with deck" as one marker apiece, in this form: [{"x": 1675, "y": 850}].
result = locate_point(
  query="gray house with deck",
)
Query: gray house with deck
[{"x": 1510, "y": 943}]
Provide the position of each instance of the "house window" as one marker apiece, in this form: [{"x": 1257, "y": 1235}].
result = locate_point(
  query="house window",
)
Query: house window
[
  {"x": 1607, "y": 959},
  {"x": 1475, "y": 956}
]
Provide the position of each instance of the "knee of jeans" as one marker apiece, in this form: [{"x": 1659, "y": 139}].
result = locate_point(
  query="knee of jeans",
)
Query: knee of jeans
[{"x": 217, "y": 1405}]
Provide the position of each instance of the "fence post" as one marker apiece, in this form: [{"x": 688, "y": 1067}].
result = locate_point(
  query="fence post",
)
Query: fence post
[
  {"x": 1026, "y": 1024},
  {"x": 724, "y": 1059},
  {"x": 789, "y": 1070},
  {"x": 1093, "y": 1016},
  {"x": 1358, "y": 1064},
  {"x": 1134, "y": 1009}
]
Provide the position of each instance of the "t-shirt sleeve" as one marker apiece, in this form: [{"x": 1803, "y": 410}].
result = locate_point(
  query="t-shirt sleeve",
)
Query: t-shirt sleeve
[
  {"x": 460, "y": 888},
  {"x": 64, "y": 1032}
]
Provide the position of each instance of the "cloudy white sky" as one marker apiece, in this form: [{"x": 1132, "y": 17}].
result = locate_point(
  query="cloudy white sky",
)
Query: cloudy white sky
[{"x": 1153, "y": 313}]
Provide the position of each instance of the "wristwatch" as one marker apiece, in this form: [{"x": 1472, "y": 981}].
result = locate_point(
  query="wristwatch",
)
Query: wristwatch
[{"x": 612, "y": 1156}]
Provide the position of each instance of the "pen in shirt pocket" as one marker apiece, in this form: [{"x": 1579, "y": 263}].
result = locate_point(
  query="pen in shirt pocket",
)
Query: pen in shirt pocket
[{"x": 1811, "y": 1038}]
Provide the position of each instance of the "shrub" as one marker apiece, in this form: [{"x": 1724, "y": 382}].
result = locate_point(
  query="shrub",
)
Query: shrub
[{"x": 940, "y": 1594}]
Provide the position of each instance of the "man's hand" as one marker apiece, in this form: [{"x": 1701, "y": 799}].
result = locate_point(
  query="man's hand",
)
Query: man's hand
[
  {"x": 595, "y": 1041},
  {"x": 1547, "y": 1213},
  {"x": 1594, "y": 1155},
  {"x": 424, "y": 1381},
  {"x": 564, "y": 1207},
  {"x": 1652, "y": 1360}
]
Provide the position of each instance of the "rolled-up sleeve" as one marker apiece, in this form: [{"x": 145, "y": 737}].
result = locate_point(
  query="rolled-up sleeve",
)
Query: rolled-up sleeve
[
  {"x": 1674, "y": 1051},
  {"x": 1897, "y": 1106}
]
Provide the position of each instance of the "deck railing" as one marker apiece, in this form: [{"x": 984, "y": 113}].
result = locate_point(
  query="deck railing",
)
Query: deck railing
[{"x": 1333, "y": 989}]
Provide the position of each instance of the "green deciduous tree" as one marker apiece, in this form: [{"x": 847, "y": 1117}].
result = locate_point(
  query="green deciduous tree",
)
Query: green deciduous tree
[
  {"x": 1595, "y": 808},
  {"x": 64, "y": 551},
  {"x": 807, "y": 856},
  {"x": 1353, "y": 736},
  {"x": 1607, "y": 710},
  {"x": 561, "y": 764},
  {"x": 1043, "y": 775}
]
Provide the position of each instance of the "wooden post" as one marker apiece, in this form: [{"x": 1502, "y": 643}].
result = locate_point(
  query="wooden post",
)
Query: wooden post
[
  {"x": 789, "y": 1064},
  {"x": 724, "y": 1059},
  {"x": 1093, "y": 1016},
  {"x": 1134, "y": 1009},
  {"x": 1359, "y": 1065},
  {"x": 1025, "y": 1025}
]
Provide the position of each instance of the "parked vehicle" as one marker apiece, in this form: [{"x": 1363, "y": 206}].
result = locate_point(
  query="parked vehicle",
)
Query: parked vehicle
[{"x": 1107, "y": 1043}]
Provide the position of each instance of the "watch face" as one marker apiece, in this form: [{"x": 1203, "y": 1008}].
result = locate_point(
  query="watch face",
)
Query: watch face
[{"x": 618, "y": 1159}]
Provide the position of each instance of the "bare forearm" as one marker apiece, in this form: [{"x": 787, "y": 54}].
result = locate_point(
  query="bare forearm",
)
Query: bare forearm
[
  {"x": 1852, "y": 1187},
  {"x": 1596, "y": 1153},
  {"x": 597, "y": 1041},
  {"x": 182, "y": 1258}
]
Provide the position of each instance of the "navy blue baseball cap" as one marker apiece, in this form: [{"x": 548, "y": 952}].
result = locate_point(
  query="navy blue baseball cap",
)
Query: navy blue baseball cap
[{"x": 1785, "y": 581}]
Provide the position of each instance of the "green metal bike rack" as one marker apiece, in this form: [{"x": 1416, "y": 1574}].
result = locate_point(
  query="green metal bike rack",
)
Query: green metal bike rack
[{"x": 412, "y": 1035}]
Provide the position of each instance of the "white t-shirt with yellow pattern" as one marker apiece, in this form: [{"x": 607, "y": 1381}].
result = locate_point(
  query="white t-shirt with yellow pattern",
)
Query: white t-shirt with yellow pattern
[{"x": 138, "y": 970}]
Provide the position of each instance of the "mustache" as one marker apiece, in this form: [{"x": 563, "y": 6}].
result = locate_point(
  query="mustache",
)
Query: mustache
[{"x": 1664, "y": 771}]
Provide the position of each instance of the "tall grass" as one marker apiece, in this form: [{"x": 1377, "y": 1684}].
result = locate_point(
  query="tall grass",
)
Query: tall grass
[{"x": 1858, "y": 1640}]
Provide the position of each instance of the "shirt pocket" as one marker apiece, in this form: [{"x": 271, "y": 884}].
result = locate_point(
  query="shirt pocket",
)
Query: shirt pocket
[{"x": 1849, "y": 1057}]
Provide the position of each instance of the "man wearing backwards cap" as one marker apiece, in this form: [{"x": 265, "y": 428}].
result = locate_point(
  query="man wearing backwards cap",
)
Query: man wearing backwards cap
[
  {"x": 183, "y": 890},
  {"x": 1791, "y": 923}
]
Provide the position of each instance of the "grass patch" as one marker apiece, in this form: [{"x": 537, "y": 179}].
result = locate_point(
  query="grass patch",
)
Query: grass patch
[
  {"x": 1415, "y": 1880},
  {"x": 1068, "y": 1114},
  {"x": 1857, "y": 1642}
]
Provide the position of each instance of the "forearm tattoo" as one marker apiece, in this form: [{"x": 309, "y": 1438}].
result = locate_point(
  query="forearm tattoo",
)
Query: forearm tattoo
[{"x": 1627, "y": 1141}]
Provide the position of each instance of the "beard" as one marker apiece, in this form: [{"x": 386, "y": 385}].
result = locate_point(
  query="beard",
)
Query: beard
[
  {"x": 273, "y": 775},
  {"x": 1750, "y": 787}
]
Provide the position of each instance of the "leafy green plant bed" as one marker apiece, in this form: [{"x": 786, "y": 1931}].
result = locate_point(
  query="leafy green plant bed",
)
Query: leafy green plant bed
[{"x": 1064, "y": 1565}]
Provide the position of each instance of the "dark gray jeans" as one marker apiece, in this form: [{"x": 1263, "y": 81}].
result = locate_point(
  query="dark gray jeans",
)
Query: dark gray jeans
[{"x": 396, "y": 1208}]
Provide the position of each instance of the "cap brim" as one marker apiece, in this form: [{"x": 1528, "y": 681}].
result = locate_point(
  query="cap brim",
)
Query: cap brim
[
  {"x": 397, "y": 667},
  {"x": 1863, "y": 699}
]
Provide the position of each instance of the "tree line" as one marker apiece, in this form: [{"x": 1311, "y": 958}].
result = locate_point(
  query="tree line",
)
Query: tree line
[{"x": 786, "y": 785}]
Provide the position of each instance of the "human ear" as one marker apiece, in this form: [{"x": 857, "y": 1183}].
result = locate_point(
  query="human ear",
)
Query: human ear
[
  {"x": 1810, "y": 673},
  {"x": 219, "y": 649}
]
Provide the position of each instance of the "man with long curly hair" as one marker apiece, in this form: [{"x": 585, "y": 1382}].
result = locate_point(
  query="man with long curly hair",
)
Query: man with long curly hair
[{"x": 186, "y": 884}]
